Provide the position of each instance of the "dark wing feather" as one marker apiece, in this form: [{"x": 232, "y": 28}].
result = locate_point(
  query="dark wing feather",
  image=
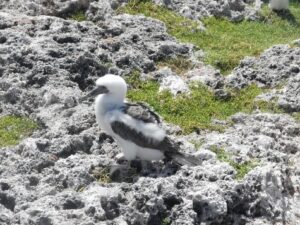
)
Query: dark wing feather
[
  {"x": 130, "y": 134},
  {"x": 142, "y": 112},
  {"x": 169, "y": 147}
]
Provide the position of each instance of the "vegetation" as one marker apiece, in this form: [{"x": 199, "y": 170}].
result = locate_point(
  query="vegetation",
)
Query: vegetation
[
  {"x": 102, "y": 174},
  {"x": 241, "y": 168},
  {"x": 225, "y": 42},
  {"x": 197, "y": 143},
  {"x": 14, "y": 128},
  {"x": 268, "y": 106},
  {"x": 78, "y": 16},
  {"x": 166, "y": 221},
  {"x": 196, "y": 110},
  {"x": 296, "y": 116},
  {"x": 179, "y": 65}
]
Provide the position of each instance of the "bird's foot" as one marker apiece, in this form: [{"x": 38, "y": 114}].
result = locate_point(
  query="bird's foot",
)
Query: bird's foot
[
  {"x": 123, "y": 173},
  {"x": 103, "y": 136},
  {"x": 137, "y": 165},
  {"x": 120, "y": 158}
]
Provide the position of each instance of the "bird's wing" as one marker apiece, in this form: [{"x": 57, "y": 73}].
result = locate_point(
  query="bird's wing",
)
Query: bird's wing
[
  {"x": 148, "y": 135},
  {"x": 140, "y": 111},
  {"x": 143, "y": 134}
]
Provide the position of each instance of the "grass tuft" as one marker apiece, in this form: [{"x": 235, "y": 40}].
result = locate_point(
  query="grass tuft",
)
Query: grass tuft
[
  {"x": 268, "y": 106},
  {"x": 166, "y": 221},
  {"x": 102, "y": 175},
  {"x": 13, "y": 129},
  {"x": 195, "y": 111},
  {"x": 225, "y": 43},
  {"x": 296, "y": 116},
  {"x": 78, "y": 16},
  {"x": 179, "y": 65},
  {"x": 197, "y": 143},
  {"x": 241, "y": 168}
]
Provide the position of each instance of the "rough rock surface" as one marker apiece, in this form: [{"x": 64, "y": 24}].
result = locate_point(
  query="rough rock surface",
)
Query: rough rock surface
[
  {"x": 235, "y": 10},
  {"x": 96, "y": 10},
  {"x": 58, "y": 176},
  {"x": 278, "y": 67},
  {"x": 171, "y": 81}
]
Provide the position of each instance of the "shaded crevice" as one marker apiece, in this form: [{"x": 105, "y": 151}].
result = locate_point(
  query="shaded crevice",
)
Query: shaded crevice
[
  {"x": 7, "y": 201},
  {"x": 66, "y": 39},
  {"x": 73, "y": 204}
]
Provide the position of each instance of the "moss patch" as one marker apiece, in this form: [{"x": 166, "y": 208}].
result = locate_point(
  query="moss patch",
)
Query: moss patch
[
  {"x": 179, "y": 65},
  {"x": 268, "y": 106},
  {"x": 13, "y": 129},
  {"x": 166, "y": 221},
  {"x": 78, "y": 16},
  {"x": 102, "y": 174},
  {"x": 241, "y": 168},
  {"x": 296, "y": 116},
  {"x": 225, "y": 42},
  {"x": 197, "y": 144},
  {"x": 194, "y": 111}
]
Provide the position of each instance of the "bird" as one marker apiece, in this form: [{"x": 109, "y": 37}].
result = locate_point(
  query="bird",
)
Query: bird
[
  {"x": 134, "y": 126},
  {"x": 279, "y": 4}
]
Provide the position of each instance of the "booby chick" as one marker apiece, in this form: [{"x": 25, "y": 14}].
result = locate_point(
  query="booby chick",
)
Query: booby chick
[
  {"x": 134, "y": 126},
  {"x": 279, "y": 4}
]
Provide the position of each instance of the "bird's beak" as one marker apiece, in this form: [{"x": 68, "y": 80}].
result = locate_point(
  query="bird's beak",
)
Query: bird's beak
[{"x": 96, "y": 91}]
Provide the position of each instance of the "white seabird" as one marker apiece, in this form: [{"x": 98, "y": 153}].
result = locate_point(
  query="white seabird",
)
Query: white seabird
[
  {"x": 279, "y": 4},
  {"x": 134, "y": 126}
]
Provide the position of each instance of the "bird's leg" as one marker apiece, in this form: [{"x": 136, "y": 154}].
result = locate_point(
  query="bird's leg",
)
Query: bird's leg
[
  {"x": 103, "y": 136},
  {"x": 136, "y": 164},
  {"x": 120, "y": 157}
]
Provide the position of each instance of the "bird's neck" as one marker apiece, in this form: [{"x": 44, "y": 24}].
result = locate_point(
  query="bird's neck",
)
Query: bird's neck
[{"x": 107, "y": 102}]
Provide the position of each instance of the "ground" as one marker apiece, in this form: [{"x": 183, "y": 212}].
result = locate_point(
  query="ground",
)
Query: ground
[{"x": 224, "y": 77}]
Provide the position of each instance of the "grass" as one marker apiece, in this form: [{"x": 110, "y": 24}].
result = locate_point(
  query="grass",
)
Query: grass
[
  {"x": 241, "y": 168},
  {"x": 195, "y": 111},
  {"x": 179, "y": 65},
  {"x": 268, "y": 106},
  {"x": 197, "y": 144},
  {"x": 166, "y": 221},
  {"x": 13, "y": 129},
  {"x": 296, "y": 116},
  {"x": 102, "y": 175},
  {"x": 226, "y": 43},
  {"x": 78, "y": 16}
]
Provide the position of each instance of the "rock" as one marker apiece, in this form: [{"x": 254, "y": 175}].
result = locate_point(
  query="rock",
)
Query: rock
[
  {"x": 48, "y": 62},
  {"x": 206, "y": 75},
  {"x": 171, "y": 82},
  {"x": 222, "y": 94},
  {"x": 209, "y": 205},
  {"x": 273, "y": 67},
  {"x": 234, "y": 10},
  {"x": 289, "y": 100},
  {"x": 296, "y": 42},
  {"x": 277, "y": 66}
]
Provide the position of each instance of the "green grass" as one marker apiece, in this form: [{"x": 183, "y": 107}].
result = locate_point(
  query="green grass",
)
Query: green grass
[
  {"x": 296, "y": 116},
  {"x": 166, "y": 221},
  {"x": 241, "y": 168},
  {"x": 13, "y": 129},
  {"x": 226, "y": 43},
  {"x": 197, "y": 144},
  {"x": 179, "y": 65},
  {"x": 195, "y": 111},
  {"x": 102, "y": 175},
  {"x": 78, "y": 16}
]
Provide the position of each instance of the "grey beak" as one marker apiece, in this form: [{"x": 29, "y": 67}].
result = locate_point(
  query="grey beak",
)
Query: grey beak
[{"x": 96, "y": 91}]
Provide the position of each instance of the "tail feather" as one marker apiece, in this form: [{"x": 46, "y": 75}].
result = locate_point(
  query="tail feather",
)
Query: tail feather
[{"x": 185, "y": 159}]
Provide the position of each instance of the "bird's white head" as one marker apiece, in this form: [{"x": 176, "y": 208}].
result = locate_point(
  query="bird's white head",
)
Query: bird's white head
[{"x": 112, "y": 85}]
